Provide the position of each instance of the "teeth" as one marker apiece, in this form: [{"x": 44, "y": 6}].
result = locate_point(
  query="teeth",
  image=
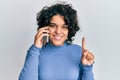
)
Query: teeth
[{"x": 57, "y": 37}]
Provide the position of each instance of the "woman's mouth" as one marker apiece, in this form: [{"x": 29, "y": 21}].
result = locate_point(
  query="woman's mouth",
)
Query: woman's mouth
[{"x": 57, "y": 37}]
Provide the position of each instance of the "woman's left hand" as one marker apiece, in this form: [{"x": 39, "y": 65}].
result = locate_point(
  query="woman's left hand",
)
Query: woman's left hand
[{"x": 87, "y": 56}]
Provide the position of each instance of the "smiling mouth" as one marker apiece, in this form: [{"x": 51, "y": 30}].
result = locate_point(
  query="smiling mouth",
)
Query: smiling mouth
[{"x": 57, "y": 37}]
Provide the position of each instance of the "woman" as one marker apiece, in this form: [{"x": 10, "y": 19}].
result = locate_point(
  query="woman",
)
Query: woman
[{"x": 59, "y": 59}]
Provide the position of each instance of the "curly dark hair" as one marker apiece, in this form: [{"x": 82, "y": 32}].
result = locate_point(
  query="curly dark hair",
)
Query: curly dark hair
[{"x": 70, "y": 17}]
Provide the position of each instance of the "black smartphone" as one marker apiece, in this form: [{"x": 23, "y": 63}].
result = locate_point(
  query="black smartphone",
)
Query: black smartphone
[{"x": 45, "y": 40}]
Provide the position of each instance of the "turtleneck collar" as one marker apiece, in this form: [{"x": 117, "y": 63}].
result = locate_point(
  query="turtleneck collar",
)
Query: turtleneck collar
[{"x": 51, "y": 45}]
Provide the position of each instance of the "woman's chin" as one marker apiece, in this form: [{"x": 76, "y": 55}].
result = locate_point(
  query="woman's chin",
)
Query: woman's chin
[{"x": 57, "y": 43}]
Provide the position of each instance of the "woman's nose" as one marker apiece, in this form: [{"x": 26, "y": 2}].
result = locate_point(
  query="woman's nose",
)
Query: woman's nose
[{"x": 58, "y": 30}]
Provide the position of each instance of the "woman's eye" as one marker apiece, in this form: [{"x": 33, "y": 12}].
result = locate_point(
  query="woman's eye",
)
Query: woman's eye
[
  {"x": 65, "y": 26},
  {"x": 52, "y": 25}
]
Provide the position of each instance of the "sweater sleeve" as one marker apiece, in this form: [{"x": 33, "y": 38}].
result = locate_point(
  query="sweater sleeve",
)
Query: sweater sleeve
[
  {"x": 86, "y": 72},
  {"x": 30, "y": 68}
]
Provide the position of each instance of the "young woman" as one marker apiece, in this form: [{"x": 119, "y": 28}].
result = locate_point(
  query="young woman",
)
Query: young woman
[{"x": 59, "y": 59}]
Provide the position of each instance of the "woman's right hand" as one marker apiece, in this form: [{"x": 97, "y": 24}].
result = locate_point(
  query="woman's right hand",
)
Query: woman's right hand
[{"x": 38, "y": 41}]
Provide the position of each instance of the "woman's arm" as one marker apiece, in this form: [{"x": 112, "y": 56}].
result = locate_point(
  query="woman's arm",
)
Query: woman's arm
[
  {"x": 30, "y": 69},
  {"x": 85, "y": 72}
]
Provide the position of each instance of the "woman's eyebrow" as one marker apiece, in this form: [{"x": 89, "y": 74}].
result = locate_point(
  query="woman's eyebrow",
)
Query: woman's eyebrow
[
  {"x": 52, "y": 23},
  {"x": 56, "y": 24}
]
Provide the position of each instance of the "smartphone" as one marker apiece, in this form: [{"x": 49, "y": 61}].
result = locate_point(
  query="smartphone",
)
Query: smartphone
[{"x": 45, "y": 40}]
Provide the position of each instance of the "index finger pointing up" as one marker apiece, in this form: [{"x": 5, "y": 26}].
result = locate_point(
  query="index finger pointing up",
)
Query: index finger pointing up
[{"x": 83, "y": 44}]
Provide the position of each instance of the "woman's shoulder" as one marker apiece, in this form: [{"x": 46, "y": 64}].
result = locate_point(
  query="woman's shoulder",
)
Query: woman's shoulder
[
  {"x": 74, "y": 46},
  {"x": 75, "y": 50}
]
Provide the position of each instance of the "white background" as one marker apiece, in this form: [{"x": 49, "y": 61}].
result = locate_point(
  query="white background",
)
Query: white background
[{"x": 100, "y": 22}]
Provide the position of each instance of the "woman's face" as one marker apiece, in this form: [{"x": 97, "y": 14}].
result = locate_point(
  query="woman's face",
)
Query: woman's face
[{"x": 58, "y": 30}]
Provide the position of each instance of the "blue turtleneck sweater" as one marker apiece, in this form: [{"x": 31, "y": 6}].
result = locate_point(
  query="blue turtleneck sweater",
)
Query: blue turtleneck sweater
[{"x": 55, "y": 63}]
